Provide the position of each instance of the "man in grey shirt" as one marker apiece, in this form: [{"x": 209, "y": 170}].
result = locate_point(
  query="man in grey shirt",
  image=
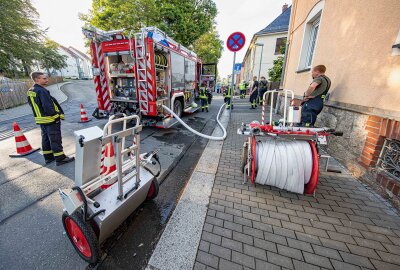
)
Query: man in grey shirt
[{"x": 314, "y": 96}]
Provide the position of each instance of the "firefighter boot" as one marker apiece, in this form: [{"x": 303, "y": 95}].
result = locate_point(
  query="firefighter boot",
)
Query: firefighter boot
[{"x": 64, "y": 161}]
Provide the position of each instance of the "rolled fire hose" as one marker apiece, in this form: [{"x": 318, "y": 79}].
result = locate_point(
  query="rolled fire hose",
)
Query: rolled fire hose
[
  {"x": 196, "y": 132},
  {"x": 284, "y": 164}
]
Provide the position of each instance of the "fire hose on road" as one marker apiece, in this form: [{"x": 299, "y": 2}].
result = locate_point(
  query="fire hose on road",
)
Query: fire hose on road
[{"x": 198, "y": 133}]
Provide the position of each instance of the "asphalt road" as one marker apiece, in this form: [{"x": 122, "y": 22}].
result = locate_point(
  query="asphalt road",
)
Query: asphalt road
[{"x": 31, "y": 233}]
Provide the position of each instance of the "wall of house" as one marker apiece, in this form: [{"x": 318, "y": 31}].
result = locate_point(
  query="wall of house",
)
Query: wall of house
[
  {"x": 355, "y": 43},
  {"x": 268, "y": 56},
  {"x": 72, "y": 68},
  {"x": 85, "y": 64},
  {"x": 252, "y": 62}
]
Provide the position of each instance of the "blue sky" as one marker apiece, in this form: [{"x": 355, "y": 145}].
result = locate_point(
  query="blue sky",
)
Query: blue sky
[{"x": 246, "y": 16}]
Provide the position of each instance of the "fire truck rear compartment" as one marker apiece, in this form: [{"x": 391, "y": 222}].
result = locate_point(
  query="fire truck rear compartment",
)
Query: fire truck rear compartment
[{"x": 122, "y": 82}]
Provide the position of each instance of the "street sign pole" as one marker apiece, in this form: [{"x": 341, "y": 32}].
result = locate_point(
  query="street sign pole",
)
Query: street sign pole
[
  {"x": 233, "y": 78},
  {"x": 235, "y": 42}
]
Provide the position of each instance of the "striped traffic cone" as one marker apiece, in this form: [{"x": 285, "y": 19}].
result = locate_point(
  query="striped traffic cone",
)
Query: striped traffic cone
[
  {"x": 23, "y": 146},
  {"x": 84, "y": 117},
  {"x": 108, "y": 164}
]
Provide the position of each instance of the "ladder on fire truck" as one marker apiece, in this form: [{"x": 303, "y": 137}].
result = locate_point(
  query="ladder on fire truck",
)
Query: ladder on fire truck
[{"x": 141, "y": 62}]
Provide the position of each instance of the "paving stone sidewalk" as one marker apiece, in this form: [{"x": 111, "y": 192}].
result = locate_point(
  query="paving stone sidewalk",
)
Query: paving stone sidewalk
[{"x": 346, "y": 225}]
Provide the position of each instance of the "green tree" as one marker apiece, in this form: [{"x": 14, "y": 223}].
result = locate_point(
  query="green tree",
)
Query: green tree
[
  {"x": 20, "y": 35},
  {"x": 49, "y": 57},
  {"x": 209, "y": 47},
  {"x": 117, "y": 14},
  {"x": 185, "y": 21},
  {"x": 275, "y": 72}
]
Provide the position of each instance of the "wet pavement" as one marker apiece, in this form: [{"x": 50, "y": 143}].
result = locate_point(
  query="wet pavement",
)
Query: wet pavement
[
  {"x": 31, "y": 231},
  {"x": 133, "y": 244}
]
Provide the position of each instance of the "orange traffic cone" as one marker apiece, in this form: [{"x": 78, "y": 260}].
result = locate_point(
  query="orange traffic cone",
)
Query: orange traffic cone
[
  {"x": 108, "y": 164},
  {"x": 84, "y": 117},
  {"x": 23, "y": 146}
]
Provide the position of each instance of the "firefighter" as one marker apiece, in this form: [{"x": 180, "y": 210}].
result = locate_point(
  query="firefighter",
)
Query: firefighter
[
  {"x": 262, "y": 89},
  {"x": 315, "y": 95},
  {"x": 227, "y": 98},
  {"x": 203, "y": 98},
  {"x": 47, "y": 113},
  {"x": 242, "y": 88},
  {"x": 254, "y": 93}
]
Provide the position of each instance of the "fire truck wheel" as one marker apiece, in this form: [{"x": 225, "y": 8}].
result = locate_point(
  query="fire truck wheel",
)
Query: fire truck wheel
[
  {"x": 82, "y": 237},
  {"x": 153, "y": 190},
  {"x": 178, "y": 108}
]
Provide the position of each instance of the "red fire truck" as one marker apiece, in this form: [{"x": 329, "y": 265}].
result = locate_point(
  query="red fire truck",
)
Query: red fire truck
[{"x": 141, "y": 72}]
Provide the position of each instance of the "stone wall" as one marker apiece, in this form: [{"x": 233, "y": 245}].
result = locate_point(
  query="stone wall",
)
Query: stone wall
[
  {"x": 348, "y": 148},
  {"x": 361, "y": 144}
]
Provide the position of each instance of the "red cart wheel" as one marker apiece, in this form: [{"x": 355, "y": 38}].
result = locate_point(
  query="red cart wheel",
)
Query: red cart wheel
[
  {"x": 82, "y": 237},
  {"x": 153, "y": 190},
  {"x": 312, "y": 184},
  {"x": 254, "y": 161}
]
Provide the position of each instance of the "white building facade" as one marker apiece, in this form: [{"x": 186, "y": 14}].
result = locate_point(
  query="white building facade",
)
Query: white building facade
[{"x": 86, "y": 63}]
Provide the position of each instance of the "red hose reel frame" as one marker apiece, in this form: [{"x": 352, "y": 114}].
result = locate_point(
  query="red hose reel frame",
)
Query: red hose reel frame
[{"x": 310, "y": 187}]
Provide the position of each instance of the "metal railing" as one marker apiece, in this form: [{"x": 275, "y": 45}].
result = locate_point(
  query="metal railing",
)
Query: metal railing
[{"x": 389, "y": 159}]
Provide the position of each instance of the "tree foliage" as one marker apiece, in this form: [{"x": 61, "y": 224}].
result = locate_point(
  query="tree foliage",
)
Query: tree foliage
[
  {"x": 209, "y": 47},
  {"x": 49, "y": 57},
  {"x": 275, "y": 72},
  {"x": 21, "y": 39},
  {"x": 185, "y": 21},
  {"x": 20, "y": 35}
]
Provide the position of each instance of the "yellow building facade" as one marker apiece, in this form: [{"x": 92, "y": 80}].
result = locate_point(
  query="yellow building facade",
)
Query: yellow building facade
[{"x": 359, "y": 43}]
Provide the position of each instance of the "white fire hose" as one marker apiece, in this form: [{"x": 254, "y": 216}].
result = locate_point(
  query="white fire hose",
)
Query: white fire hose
[
  {"x": 196, "y": 132},
  {"x": 284, "y": 164}
]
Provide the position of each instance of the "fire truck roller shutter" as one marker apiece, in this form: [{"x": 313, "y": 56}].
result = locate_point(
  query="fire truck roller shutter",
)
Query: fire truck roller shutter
[{"x": 161, "y": 59}]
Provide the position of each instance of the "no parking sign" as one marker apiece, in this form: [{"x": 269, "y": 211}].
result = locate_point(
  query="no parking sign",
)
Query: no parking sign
[{"x": 236, "y": 41}]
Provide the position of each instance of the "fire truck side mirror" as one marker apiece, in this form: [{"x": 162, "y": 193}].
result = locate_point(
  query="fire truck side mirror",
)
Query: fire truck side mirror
[{"x": 96, "y": 71}]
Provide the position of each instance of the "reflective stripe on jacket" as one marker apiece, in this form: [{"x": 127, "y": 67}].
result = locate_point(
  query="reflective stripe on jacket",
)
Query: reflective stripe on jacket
[
  {"x": 203, "y": 93},
  {"x": 46, "y": 109},
  {"x": 228, "y": 92}
]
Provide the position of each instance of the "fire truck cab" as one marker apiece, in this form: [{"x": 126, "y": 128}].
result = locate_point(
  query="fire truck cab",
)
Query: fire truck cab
[{"x": 138, "y": 73}]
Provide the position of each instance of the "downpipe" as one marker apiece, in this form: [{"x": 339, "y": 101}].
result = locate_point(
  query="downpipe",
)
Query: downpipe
[{"x": 198, "y": 133}]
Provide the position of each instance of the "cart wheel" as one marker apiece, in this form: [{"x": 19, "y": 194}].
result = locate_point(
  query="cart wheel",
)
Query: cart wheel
[
  {"x": 82, "y": 237},
  {"x": 245, "y": 154},
  {"x": 153, "y": 190}
]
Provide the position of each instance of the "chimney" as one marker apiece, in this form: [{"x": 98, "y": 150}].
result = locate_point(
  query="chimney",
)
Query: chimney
[{"x": 284, "y": 7}]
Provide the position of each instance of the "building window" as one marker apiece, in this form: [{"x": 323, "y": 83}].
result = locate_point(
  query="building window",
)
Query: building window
[
  {"x": 280, "y": 42},
  {"x": 312, "y": 41},
  {"x": 310, "y": 37}
]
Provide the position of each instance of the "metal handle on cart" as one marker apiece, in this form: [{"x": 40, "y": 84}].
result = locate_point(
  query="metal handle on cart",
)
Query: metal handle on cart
[
  {"x": 272, "y": 92},
  {"x": 124, "y": 119}
]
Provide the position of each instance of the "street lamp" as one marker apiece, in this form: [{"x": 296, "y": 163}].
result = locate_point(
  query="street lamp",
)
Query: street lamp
[{"x": 262, "y": 48}]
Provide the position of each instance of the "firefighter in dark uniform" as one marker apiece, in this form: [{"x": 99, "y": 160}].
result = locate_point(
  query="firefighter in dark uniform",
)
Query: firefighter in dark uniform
[
  {"x": 314, "y": 97},
  {"x": 254, "y": 93},
  {"x": 47, "y": 113},
  {"x": 262, "y": 88},
  {"x": 227, "y": 98},
  {"x": 203, "y": 98}
]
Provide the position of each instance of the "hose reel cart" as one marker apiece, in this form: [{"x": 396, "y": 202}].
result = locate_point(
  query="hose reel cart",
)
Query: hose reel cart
[
  {"x": 99, "y": 203},
  {"x": 283, "y": 155}
]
